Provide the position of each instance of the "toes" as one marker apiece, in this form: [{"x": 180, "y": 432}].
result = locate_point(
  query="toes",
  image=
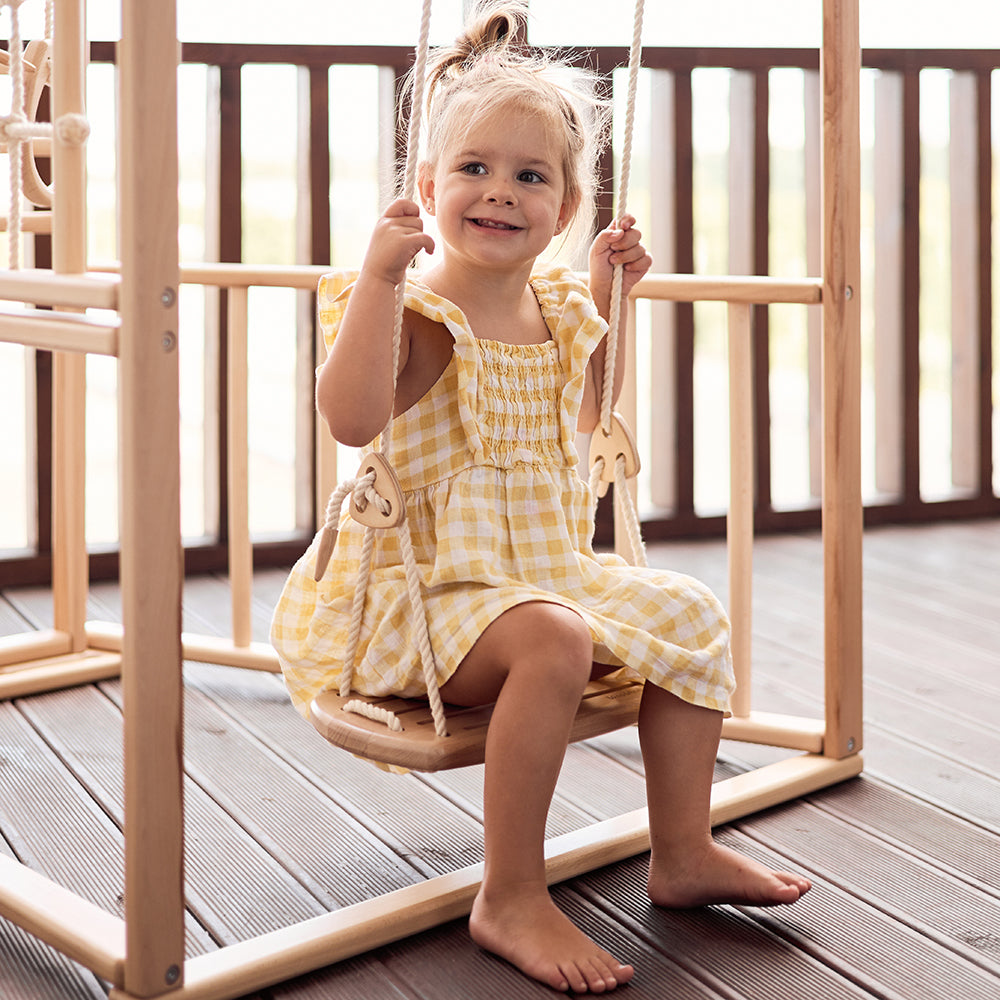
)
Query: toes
[
  {"x": 593, "y": 976},
  {"x": 797, "y": 882},
  {"x": 574, "y": 980}
]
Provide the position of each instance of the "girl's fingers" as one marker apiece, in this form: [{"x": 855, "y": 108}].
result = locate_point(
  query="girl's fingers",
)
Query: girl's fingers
[{"x": 401, "y": 207}]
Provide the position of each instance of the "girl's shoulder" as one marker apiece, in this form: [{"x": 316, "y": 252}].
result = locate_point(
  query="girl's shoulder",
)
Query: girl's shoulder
[{"x": 334, "y": 292}]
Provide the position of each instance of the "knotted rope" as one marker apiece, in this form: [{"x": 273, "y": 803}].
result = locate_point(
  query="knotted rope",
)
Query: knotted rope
[
  {"x": 611, "y": 354},
  {"x": 623, "y": 496},
  {"x": 17, "y": 128},
  {"x": 363, "y": 487}
]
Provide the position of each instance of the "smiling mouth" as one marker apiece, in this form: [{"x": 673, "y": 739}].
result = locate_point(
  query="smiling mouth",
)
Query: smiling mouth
[{"x": 494, "y": 224}]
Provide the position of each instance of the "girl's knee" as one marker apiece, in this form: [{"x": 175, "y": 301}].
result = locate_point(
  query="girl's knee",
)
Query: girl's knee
[
  {"x": 539, "y": 643},
  {"x": 555, "y": 643}
]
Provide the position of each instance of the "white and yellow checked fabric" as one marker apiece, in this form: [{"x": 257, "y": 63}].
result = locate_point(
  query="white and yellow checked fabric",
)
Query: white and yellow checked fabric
[{"x": 499, "y": 516}]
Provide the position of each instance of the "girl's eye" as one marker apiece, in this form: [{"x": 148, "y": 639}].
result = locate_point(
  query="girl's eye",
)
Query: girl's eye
[
  {"x": 530, "y": 177},
  {"x": 473, "y": 168}
]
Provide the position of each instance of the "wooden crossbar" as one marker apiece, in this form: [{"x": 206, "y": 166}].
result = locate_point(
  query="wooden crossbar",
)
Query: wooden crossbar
[
  {"x": 77, "y": 928},
  {"x": 50, "y": 288},
  {"x": 55, "y": 331},
  {"x": 333, "y": 937},
  {"x": 750, "y": 289}
]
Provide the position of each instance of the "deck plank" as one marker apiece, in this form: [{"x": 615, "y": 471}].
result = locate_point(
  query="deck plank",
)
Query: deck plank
[
  {"x": 906, "y": 859},
  {"x": 32, "y": 970},
  {"x": 233, "y": 888},
  {"x": 920, "y": 895}
]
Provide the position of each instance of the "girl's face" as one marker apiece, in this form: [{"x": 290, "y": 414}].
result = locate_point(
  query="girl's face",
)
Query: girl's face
[{"x": 499, "y": 194}]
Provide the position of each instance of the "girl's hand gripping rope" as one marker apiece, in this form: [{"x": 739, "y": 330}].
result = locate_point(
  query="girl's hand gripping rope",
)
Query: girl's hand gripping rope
[
  {"x": 620, "y": 243},
  {"x": 398, "y": 237}
]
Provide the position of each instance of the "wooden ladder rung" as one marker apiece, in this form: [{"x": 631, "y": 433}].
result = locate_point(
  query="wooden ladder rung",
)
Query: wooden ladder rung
[{"x": 607, "y": 704}]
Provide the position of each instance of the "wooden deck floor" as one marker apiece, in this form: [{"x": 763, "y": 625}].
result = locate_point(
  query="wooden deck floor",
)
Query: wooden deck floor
[{"x": 905, "y": 859}]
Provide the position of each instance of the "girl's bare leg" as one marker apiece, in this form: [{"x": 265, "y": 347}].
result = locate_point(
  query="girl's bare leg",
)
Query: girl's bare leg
[
  {"x": 534, "y": 661},
  {"x": 687, "y": 868}
]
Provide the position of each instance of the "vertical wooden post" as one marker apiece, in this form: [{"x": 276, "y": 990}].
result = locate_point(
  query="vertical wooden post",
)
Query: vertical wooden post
[
  {"x": 69, "y": 371},
  {"x": 151, "y": 560},
  {"x": 842, "y": 511},
  {"x": 237, "y": 451},
  {"x": 627, "y": 406},
  {"x": 739, "y": 524}
]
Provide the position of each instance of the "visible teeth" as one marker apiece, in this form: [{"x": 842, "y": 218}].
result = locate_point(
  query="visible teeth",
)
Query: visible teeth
[{"x": 490, "y": 224}]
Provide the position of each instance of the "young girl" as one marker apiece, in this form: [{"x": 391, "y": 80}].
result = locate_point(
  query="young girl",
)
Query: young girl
[{"x": 501, "y": 363}]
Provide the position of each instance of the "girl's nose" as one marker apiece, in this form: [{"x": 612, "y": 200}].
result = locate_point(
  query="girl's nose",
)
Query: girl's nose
[{"x": 501, "y": 194}]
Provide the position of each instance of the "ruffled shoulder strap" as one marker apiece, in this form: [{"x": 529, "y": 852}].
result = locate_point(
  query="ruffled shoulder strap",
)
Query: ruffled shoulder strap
[
  {"x": 335, "y": 291},
  {"x": 332, "y": 297},
  {"x": 577, "y": 328},
  {"x": 572, "y": 317}
]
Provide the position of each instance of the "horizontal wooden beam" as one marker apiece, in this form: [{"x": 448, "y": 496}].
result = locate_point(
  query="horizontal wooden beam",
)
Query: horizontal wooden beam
[
  {"x": 750, "y": 289},
  {"x": 31, "y": 222},
  {"x": 236, "y": 275},
  {"x": 59, "y": 332},
  {"x": 772, "y": 730},
  {"x": 303, "y": 276},
  {"x": 280, "y": 955},
  {"x": 36, "y": 676},
  {"x": 72, "y": 291},
  {"x": 199, "y": 648},
  {"x": 84, "y": 932},
  {"x": 17, "y": 649}
]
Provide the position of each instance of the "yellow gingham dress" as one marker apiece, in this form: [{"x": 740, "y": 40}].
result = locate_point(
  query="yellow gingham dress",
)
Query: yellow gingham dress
[{"x": 499, "y": 515}]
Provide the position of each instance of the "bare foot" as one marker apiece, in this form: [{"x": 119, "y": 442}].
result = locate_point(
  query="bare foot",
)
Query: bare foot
[
  {"x": 720, "y": 875},
  {"x": 528, "y": 930}
]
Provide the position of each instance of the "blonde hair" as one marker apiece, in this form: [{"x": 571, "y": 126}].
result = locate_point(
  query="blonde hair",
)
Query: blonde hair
[{"x": 488, "y": 68}]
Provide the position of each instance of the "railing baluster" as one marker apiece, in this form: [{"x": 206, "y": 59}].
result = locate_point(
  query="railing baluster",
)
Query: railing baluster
[
  {"x": 964, "y": 201},
  {"x": 741, "y": 498},
  {"x": 888, "y": 283},
  {"x": 238, "y": 452},
  {"x": 663, "y": 315}
]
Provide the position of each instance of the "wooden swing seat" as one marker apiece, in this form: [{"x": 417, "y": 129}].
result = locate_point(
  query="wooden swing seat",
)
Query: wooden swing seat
[{"x": 609, "y": 703}]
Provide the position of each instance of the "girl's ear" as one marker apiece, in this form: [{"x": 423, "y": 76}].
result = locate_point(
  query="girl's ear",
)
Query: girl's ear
[
  {"x": 425, "y": 185},
  {"x": 566, "y": 214}
]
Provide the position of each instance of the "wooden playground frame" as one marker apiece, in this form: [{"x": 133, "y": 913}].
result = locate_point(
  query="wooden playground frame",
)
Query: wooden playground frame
[{"x": 143, "y": 954}]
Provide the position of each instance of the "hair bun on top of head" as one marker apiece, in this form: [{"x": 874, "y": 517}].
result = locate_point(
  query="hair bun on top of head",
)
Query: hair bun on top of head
[
  {"x": 492, "y": 31},
  {"x": 490, "y": 66}
]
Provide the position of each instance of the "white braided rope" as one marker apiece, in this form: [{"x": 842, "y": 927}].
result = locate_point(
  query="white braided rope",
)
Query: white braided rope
[
  {"x": 624, "y": 504},
  {"x": 16, "y": 128},
  {"x": 406, "y": 542},
  {"x": 15, "y": 147},
  {"x": 357, "y": 611},
  {"x": 410, "y": 177},
  {"x": 611, "y": 351},
  {"x": 623, "y": 495},
  {"x": 374, "y": 712},
  {"x": 623, "y": 499},
  {"x": 596, "y": 470}
]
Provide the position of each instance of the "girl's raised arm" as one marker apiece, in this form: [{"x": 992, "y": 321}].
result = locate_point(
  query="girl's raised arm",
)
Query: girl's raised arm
[
  {"x": 620, "y": 243},
  {"x": 354, "y": 390}
]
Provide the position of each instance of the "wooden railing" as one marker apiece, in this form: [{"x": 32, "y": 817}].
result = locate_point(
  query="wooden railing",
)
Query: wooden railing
[{"x": 669, "y": 420}]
